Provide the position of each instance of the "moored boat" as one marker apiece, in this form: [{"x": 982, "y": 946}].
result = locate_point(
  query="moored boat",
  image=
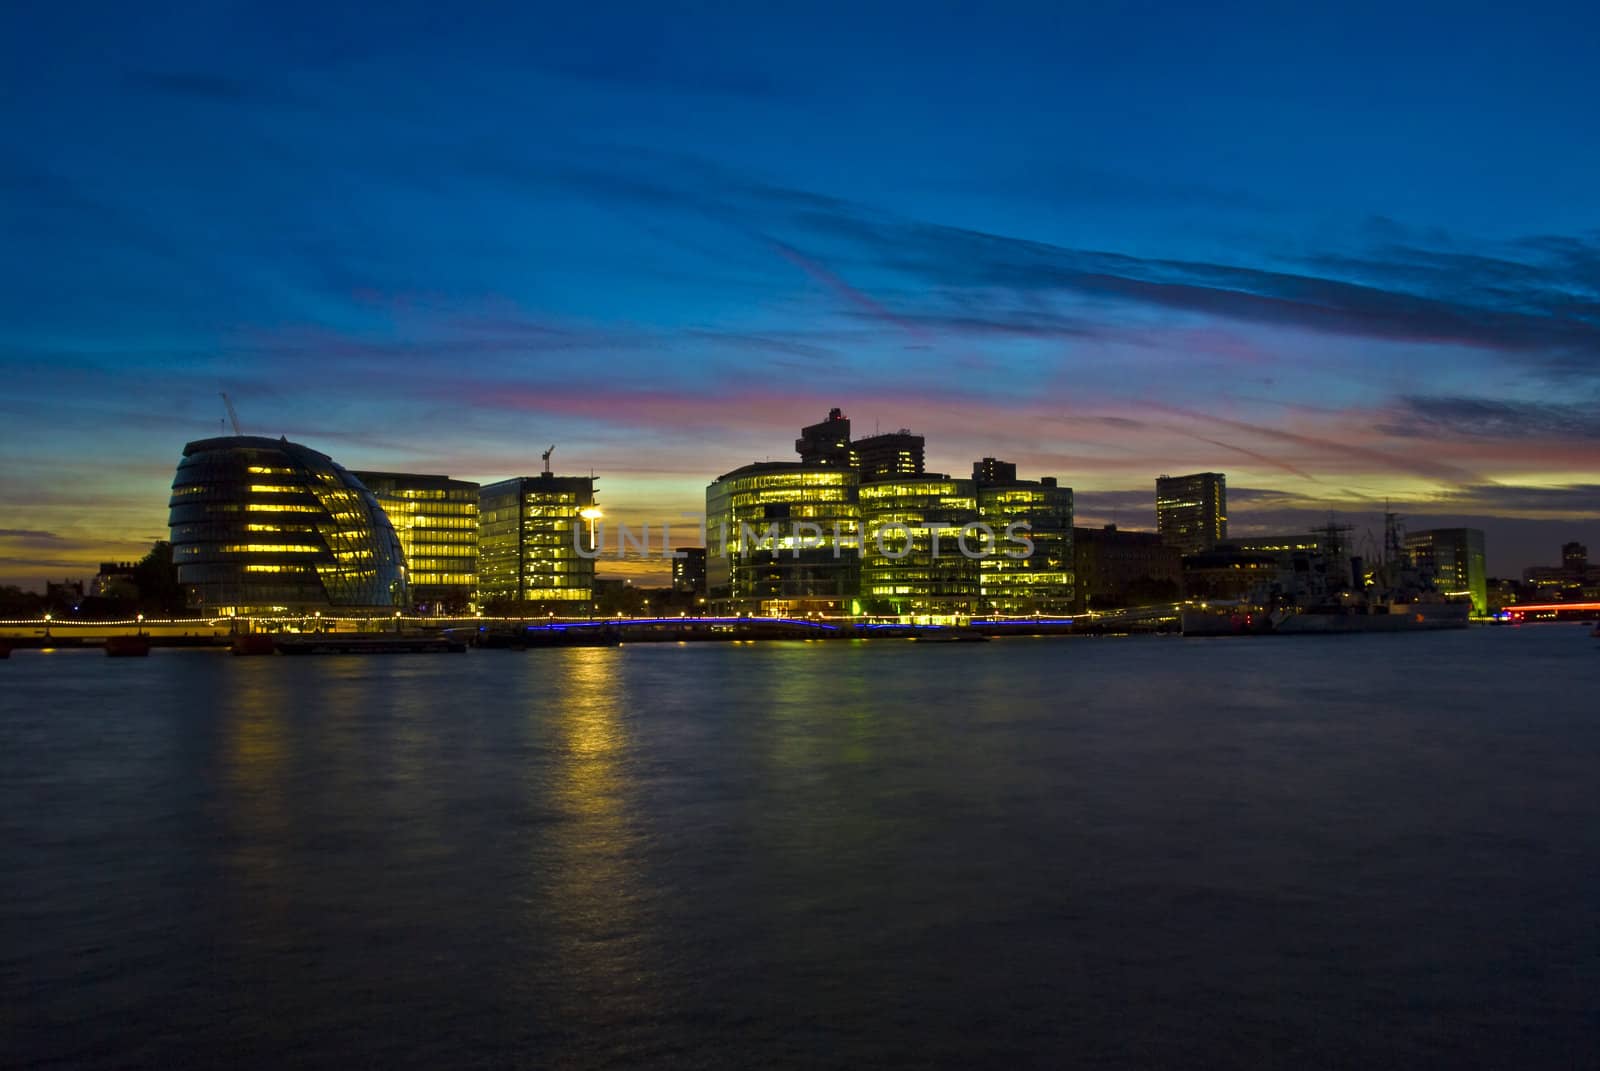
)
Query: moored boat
[
  {"x": 127, "y": 646},
  {"x": 309, "y": 644},
  {"x": 938, "y": 634},
  {"x": 1376, "y": 617},
  {"x": 254, "y": 643}
]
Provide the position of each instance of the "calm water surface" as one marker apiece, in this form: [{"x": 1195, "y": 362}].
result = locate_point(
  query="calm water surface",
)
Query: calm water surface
[{"x": 1341, "y": 851}]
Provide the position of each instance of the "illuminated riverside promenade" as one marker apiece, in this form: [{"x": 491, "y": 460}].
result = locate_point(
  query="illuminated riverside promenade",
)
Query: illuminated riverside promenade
[{"x": 221, "y": 631}]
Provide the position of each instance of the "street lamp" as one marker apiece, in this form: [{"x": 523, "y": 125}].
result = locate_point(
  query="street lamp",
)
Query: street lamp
[
  {"x": 139, "y": 629},
  {"x": 591, "y": 514},
  {"x": 47, "y": 625}
]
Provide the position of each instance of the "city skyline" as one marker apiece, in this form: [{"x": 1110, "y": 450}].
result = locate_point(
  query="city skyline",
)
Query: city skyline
[{"x": 1074, "y": 241}]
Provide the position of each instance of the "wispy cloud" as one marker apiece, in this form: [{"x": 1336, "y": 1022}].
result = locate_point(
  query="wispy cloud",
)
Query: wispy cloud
[{"x": 1421, "y": 416}]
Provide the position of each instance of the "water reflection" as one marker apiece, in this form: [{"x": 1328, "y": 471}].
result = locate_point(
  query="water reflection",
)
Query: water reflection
[{"x": 594, "y": 880}]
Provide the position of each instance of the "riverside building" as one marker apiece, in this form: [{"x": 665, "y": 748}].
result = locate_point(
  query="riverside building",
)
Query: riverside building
[
  {"x": 1040, "y": 581},
  {"x": 911, "y": 556},
  {"x": 1454, "y": 556},
  {"x": 264, "y": 525},
  {"x": 535, "y": 540},
  {"x": 1192, "y": 511},
  {"x": 783, "y": 538},
  {"x": 436, "y": 519}
]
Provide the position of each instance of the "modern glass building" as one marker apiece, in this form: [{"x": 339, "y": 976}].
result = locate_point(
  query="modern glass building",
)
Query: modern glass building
[
  {"x": 436, "y": 519},
  {"x": 911, "y": 556},
  {"x": 782, "y": 538},
  {"x": 263, "y": 525},
  {"x": 1192, "y": 511},
  {"x": 533, "y": 540},
  {"x": 1040, "y": 580},
  {"x": 895, "y": 453},
  {"x": 1455, "y": 558}
]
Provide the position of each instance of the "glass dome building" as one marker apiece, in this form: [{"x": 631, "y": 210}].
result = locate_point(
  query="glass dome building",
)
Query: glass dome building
[{"x": 261, "y": 525}]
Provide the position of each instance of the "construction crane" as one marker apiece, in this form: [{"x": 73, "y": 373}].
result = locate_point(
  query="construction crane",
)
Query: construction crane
[
  {"x": 233, "y": 418},
  {"x": 546, "y": 456}
]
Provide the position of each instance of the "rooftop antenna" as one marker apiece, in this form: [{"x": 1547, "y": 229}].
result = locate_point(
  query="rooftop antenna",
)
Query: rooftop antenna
[
  {"x": 546, "y": 456},
  {"x": 233, "y": 417}
]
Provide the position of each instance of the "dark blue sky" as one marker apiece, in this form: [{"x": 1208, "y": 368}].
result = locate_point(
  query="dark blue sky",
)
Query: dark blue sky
[{"x": 1342, "y": 255}]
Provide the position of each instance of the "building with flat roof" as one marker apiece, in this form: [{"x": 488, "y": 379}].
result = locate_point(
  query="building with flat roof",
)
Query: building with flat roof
[
  {"x": 827, "y": 443},
  {"x": 912, "y": 530},
  {"x": 1573, "y": 579},
  {"x": 993, "y": 471},
  {"x": 1114, "y": 568},
  {"x": 1455, "y": 559},
  {"x": 1192, "y": 511},
  {"x": 689, "y": 571},
  {"x": 266, "y": 525},
  {"x": 436, "y": 519},
  {"x": 895, "y": 453},
  {"x": 1028, "y": 568},
  {"x": 783, "y": 538},
  {"x": 535, "y": 544}
]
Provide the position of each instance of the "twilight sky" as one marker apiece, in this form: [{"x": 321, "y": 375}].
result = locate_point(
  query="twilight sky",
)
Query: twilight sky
[{"x": 1342, "y": 256}]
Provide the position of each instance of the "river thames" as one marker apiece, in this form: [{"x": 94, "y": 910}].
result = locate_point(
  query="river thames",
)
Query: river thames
[{"x": 1153, "y": 852}]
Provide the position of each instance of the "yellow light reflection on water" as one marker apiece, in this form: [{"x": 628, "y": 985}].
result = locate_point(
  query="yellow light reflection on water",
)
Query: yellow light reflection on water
[{"x": 596, "y": 886}]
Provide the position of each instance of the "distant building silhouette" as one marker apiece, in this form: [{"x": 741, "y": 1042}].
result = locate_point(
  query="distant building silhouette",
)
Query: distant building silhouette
[
  {"x": 1192, "y": 511},
  {"x": 1575, "y": 558},
  {"x": 895, "y": 453},
  {"x": 989, "y": 471},
  {"x": 689, "y": 571},
  {"x": 1113, "y": 568},
  {"x": 826, "y": 443},
  {"x": 1573, "y": 579}
]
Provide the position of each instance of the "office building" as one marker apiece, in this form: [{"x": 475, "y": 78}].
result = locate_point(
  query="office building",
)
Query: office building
[
  {"x": 436, "y": 519},
  {"x": 115, "y": 580},
  {"x": 1454, "y": 558},
  {"x": 912, "y": 560},
  {"x": 1192, "y": 511},
  {"x": 535, "y": 539},
  {"x": 1113, "y": 568},
  {"x": 1029, "y": 566},
  {"x": 992, "y": 471},
  {"x": 689, "y": 571},
  {"x": 827, "y": 444},
  {"x": 783, "y": 538},
  {"x": 262, "y": 525},
  {"x": 1231, "y": 575},
  {"x": 1573, "y": 579},
  {"x": 896, "y": 453}
]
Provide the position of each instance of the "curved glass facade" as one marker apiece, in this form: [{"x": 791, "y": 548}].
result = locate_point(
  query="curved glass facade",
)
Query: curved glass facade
[
  {"x": 266, "y": 524},
  {"x": 783, "y": 538}
]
